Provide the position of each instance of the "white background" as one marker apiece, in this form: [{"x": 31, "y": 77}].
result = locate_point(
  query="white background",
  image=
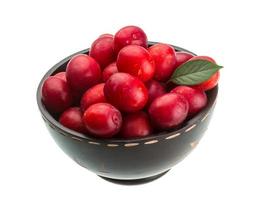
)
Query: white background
[{"x": 34, "y": 35}]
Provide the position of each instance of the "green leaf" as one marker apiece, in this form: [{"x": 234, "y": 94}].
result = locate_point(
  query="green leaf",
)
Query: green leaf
[{"x": 194, "y": 72}]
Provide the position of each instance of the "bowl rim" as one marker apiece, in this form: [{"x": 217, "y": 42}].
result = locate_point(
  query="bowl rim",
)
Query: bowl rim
[{"x": 82, "y": 137}]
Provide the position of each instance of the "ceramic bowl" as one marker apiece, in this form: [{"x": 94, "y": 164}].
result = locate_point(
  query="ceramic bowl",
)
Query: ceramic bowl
[{"x": 128, "y": 161}]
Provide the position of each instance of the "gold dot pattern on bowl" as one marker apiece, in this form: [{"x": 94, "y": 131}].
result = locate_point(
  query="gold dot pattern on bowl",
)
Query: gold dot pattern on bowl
[
  {"x": 204, "y": 118},
  {"x": 190, "y": 128},
  {"x": 76, "y": 138},
  {"x": 170, "y": 137},
  {"x": 96, "y": 143},
  {"x": 64, "y": 134},
  {"x": 131, "y": 144},
  {"x": 112, "y": 145},
  {"x": 151, "y": 142}
]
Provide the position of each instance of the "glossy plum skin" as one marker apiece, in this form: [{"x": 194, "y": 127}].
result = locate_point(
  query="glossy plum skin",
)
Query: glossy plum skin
[
  {"x": 82, "y": 72},
  {"x": 212, "y": 81},
  {"x": 129, "y": 35},
  {"x": 56, "y": 95},
  {"x": 72, "y": 119},
  {"x": 106, "y": 35},
  {"x": 165, "y": 60},
  {"x": 102, "y": 50},
  {"x": 168, "y": 111},
  {"x": 203, "y": 58},
  {"x": 93, "y": 95},
  {"x": 102, "y": 120},
  {"x": 182, "y": 57},
  {"x": 155, "y": 89},
  {"x": 136, "y": 125},
  {"x": 109, "y": 71},
  {"x": 126, "y": 92},
  {"x": 197, "y": 99},
  {"x": 61, "y": 75},
  {"x": 136, "y": 60}
]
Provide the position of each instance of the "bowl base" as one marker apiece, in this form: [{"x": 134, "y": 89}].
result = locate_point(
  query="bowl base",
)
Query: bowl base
[{"x": 134, "y": 181}]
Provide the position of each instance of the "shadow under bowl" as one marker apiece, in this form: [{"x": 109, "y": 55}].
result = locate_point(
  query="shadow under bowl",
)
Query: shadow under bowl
[{"x": 128, "y": 161}]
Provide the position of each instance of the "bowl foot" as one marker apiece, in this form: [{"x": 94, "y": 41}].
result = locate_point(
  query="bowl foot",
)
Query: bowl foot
[{"x": 134, "y": 181}]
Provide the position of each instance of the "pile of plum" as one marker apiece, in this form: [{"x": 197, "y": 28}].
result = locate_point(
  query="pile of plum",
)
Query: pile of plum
[{"x": 119, "y": 89}]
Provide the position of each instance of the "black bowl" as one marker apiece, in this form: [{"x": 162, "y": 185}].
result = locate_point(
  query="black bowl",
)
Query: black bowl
[{"x": 133, "y": 160}]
